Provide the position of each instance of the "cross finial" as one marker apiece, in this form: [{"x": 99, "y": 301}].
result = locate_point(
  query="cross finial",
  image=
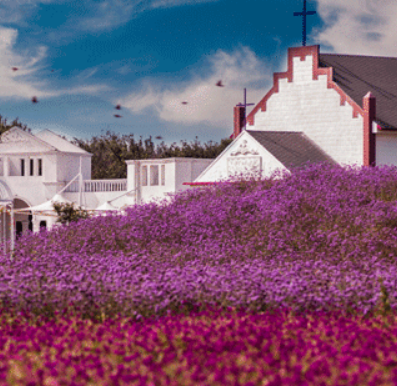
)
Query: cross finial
[{"x": 304, "y": 13}]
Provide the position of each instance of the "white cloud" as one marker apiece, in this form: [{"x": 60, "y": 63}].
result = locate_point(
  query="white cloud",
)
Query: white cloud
[
  {"x": 175, "y": 3},
  {"x": 358, "y": 27},
  {"x": 24, "y": 83},
  {"x": 91, "y": 15},
  {"x": 207, "y": 103}
]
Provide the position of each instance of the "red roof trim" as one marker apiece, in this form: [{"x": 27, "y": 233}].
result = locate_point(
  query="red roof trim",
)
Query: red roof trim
[
  {"x": 302, "y": 52},
  {"x": 200, "y": 183}
]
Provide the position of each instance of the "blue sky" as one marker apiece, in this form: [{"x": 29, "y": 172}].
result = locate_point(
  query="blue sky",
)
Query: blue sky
[{"x": 81, "y": 58}]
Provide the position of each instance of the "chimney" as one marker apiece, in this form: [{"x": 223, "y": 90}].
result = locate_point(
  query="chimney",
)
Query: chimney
[
  {"x": 369, "y": 107},
  {"x": 239, "y": 120}
]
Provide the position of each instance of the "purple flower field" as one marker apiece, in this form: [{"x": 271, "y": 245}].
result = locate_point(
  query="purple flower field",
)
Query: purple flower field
[{"x": 306, "y": 262}]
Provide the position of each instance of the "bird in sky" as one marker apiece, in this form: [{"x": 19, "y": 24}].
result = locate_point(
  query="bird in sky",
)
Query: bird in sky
[
  {"x": 118, "y": 107},
  {"x": 159, "y": 137},
  {"x": 219, "y": 84},
  {"x": 184, "y": 103},
  {"x": 15, "y": 69},
  {"x": 118, "y": 116},
  {"x": 52, "y": 70},
  {"x": 34, "y": 99}
]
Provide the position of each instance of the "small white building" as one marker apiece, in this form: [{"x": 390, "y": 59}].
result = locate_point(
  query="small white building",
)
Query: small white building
[{"x": 36, "y": 167}]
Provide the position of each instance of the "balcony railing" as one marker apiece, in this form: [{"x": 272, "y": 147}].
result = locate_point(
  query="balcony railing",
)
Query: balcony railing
[{"x": 116, "y": 185}]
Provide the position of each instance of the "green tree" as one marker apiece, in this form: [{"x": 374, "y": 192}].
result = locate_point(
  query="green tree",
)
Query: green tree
[
  {"x": 110, "y": 152},
  {"x": 67, "y": 213},
  {"x": 5, "y": 127}
]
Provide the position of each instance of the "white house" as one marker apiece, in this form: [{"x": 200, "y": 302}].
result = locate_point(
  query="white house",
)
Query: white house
[
  {"x": 38, "y": 168},
  {"x": 326, "y": 107}
]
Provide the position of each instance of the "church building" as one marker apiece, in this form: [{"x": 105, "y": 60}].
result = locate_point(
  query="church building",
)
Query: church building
[{"x": 336, "y": 108}]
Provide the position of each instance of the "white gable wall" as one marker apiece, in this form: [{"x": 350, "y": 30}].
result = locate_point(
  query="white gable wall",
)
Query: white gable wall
[
  {"x": 220, "y": 169},
  {"x": 307, "y": 105}
]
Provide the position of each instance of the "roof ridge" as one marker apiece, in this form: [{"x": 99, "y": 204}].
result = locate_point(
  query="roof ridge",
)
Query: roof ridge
[{"x": 361, "y": 56}]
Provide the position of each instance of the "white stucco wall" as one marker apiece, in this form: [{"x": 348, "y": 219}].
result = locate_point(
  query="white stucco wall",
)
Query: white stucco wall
[
  {"x": 68, "y": 166},
  {"x": 177, "y": 171},
  {"x": 307, "y": 105},
  {"x": 386, "y": 148}
]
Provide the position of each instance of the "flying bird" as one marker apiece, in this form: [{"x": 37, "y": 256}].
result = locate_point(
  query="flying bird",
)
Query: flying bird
[
  {"x": 118, "y": 107},
  {"x": 34, "y": 100},
  {"x": 219, "y": 84},
  {"x": 184, "y": 103},
  {"x": 118, "y": 116},
  {"x": 159, "y": 137},
  {"x": 15, "y": 69},
  {"x": 52, "y": 70}
]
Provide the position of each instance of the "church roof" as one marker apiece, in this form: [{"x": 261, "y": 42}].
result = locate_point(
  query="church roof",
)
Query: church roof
[
  {"x": 291, "y": 148},
  {"x": 356, "y": 75}
]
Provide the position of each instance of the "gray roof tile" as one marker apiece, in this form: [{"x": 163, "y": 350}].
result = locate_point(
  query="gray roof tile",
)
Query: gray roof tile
[
  {"x": 291, "y": 148},
  {"x": 356, "y": 75}
]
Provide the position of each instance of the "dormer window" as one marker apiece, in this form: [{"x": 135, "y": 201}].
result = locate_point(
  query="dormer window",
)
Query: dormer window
[
  {"x": 31, "y": 167},
  {"x": 22, "y": 167}
]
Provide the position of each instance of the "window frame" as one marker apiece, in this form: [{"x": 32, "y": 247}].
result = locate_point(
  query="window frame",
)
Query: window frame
[{"x": 154, "y": 175}]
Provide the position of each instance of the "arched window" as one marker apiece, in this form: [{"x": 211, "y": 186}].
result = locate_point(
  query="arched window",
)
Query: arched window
[{"x": 43, "y": 225}]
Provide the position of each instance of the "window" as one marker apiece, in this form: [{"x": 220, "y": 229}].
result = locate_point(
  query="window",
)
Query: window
[
  {"x": 144, "y": 175},
  {"x": 18, "y": 228},
  {"x": 163, "y": 175},
  {"x": 31, "y": 167},
  {"x": 22, "y": 167},
  {"x": 154, "y": 175},
  {"x": 40, "y": 168}
]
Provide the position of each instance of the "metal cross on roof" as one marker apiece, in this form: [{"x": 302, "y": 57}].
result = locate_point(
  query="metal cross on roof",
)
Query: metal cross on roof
[
  {"x": 245, "y": 104},
  {"x": 304, "y": 13}
]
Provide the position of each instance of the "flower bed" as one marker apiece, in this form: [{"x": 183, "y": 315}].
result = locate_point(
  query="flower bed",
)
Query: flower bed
[{"x": 320, "y": 243}]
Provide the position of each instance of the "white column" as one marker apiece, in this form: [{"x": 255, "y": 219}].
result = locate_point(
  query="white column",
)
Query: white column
[
  {"x": 6, "y": 166},
  {"x": 138, "y": 182},
  {"x": 12, "y": 229}
]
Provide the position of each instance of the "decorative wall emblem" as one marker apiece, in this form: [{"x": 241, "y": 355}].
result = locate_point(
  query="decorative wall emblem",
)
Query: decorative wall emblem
[
  {"x": 248, "y": 166},
  {"x": 243, "y": 150},
  {"x": 13, "y": 136}
]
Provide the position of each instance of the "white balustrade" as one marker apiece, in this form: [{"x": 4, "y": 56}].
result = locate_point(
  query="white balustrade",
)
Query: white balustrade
[{"x": 115, "y": 185}]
